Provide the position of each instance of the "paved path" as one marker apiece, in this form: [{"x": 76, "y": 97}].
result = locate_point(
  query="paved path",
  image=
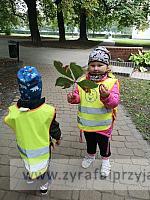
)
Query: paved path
[
  {"x": 130, "y": 153},
  {"x": 139, "y": 75},
  {"x": 129, "y": 72},
  {"x": 46, "y": 55}
]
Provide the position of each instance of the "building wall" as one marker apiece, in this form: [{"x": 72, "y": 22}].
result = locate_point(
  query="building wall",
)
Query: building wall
[
  {"x": 138, "y": 34},
  {"x": 123, "y": 52}
]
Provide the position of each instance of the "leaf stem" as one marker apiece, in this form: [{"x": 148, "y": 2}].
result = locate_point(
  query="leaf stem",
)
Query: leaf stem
[
  {"x": 73, "y": 88},
  {"x": 72, "y": 74}
]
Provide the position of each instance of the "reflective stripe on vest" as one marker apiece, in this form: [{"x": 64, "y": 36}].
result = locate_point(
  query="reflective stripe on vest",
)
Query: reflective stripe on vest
[
  {"x": 33, "y": 153},
  {"x": 92, "y": 123},
  {"x": 89, "y": 110},
  {"x": 36, "y": 167}
]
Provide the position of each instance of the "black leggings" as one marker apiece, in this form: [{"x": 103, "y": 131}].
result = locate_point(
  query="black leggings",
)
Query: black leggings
[{"x": 92, "y": 139}]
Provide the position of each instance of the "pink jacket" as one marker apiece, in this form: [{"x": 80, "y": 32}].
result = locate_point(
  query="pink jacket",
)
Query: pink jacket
[{"x": 110, "y": 102}]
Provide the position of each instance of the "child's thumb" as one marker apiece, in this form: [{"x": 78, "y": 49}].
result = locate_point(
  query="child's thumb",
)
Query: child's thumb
[{"x": 53, "y": 145}]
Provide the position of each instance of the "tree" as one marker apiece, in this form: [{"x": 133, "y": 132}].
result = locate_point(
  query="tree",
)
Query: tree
[
  {"x": 134, "y": 12},
  {"x": 81, "y": 12},
  {"x": 49, "y": 10},
  {"x": 52, "y": 10},
  {"x": 85, "y": 14},
  {"x": 125, "y": 13},
  {"x": 7, "y": 18},
  {"x": 33, "y": 25},
  {"x": 83, "y": 8},
  {"x": 83, "y": 24},
  {"x": 60, "y": 19}
]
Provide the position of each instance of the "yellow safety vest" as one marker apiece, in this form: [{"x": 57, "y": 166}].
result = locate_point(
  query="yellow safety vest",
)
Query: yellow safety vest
[
  {"x": 92, "y": 114},
  {"x": 32, "y": 135}
]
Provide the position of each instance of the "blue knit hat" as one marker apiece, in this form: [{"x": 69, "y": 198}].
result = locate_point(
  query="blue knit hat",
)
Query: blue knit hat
[{"x": 30, "y": 83}]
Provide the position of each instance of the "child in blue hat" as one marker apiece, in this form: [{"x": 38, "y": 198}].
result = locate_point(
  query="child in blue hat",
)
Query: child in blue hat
[{"x": 34, "y": 123}]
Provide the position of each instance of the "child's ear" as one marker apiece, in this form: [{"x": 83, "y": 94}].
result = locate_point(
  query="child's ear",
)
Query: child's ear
[
  {"x": 88, "y": 67},
  {"x": 108, "y": 69}
]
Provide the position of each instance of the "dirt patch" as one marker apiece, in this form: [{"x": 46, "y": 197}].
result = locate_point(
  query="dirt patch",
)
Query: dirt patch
[
  {"x": 7, "y": 62},
  {"x": 68, "y": 44},
  {"x": 8, "y": 82}
]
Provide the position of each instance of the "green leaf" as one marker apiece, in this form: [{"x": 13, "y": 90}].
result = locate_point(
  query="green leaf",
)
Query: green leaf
[
  {"x": 62, "y": 70},
  {"x": 86, "y": 85},
  {"x": 63, "y": 82},
  {"x": 59, "y": 66},
  {"x": 76, "y": 70}
]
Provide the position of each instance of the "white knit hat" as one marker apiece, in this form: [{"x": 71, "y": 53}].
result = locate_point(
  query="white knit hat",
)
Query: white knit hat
[{"x": 100, "y": 54}]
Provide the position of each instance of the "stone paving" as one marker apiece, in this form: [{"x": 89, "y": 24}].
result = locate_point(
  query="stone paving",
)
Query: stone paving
[
  {"x": 125, "y": 71},
  {"x": 139, "y": 75},
  {"x": 129, "y": 72},
  {"x": 130, "y": 153}
]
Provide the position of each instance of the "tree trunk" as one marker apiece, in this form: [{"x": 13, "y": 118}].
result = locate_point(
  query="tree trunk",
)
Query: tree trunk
[
  {"x": 60, "y": 19},
  {"x": 33, "y": 25},
  {"x": 83, "y": 29},
  {"x": 93, "y": 33}
]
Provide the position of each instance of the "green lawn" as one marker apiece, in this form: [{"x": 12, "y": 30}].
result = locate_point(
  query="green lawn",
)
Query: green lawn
[
  {"x": 126, "y": 42},
  {"x": 132, "y": 42},
  {"x": 135, "y": 96}
]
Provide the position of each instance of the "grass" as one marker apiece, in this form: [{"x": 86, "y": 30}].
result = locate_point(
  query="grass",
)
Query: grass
[
  {"x": 127, "y": 42},
  {"x": 132, "y": 42},
  {"x": 135, "y": 96}
]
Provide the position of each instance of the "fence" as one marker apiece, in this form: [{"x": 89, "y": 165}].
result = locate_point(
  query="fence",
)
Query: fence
[{"x": 122, "y": 64}]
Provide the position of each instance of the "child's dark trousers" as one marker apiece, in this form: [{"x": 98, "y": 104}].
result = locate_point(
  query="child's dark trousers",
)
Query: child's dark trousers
[{"x": 92, "y": 139}]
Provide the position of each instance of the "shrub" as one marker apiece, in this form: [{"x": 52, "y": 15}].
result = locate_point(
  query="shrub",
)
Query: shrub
[
  {"x": 141, "y": 59},
  {"x": 122, "y": 36},
  {"x": 7, "y": 31}
]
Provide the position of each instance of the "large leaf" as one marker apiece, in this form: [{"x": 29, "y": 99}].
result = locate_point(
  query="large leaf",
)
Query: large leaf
[
  {"x": 63, "y": 82},
  {"x": 76, "y": 70},
  {"x": 87, "y": 85},
  {"x": 62, "y": 70}
]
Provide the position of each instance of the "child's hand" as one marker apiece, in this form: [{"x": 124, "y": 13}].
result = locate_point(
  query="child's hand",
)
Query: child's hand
[
  {"x": 58, "y": 142},
  {"x": 104, "y": 92},
  {"x": 53, "y": 145},
  {"x": 71, "y": 97}
]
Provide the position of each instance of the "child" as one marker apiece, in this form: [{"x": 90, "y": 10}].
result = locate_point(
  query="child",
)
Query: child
[
  {"x": 96, "y": 110},
  {"x": 34, "y": 123}
]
